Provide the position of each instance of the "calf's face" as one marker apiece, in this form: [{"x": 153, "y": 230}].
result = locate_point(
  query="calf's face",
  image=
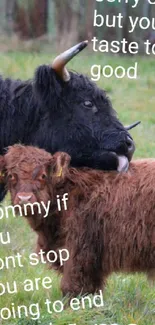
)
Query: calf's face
[
  {"x": 30, "y": 174},
  {"x": 26, "y": 176}
]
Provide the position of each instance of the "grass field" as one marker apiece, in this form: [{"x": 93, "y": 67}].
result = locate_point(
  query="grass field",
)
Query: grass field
[{"x": 127, "y": 299}]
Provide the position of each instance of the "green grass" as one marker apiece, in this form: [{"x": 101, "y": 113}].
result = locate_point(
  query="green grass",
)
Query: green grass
[{"x": 127, "y": 299}]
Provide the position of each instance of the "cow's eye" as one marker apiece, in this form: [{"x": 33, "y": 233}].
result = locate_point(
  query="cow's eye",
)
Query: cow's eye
[{"x": 88, "y": 104}]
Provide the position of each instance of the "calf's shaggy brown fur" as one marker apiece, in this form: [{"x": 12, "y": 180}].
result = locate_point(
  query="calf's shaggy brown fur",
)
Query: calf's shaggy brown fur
[{"x": 109, "y": 225}]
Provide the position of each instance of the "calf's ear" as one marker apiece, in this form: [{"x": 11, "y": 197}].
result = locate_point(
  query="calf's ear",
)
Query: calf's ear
[
  {"x": 2, "y": 170},
  {"x": 61, "y": 162}
]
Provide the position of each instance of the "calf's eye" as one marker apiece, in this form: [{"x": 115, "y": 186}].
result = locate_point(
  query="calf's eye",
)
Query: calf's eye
[
  {"x": 12, "y": 178},
  {"x": 44, "y": 176}
]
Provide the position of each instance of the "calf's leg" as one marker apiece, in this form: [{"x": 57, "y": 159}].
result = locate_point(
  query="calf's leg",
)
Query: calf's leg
[{"x": 80, "y": 278}]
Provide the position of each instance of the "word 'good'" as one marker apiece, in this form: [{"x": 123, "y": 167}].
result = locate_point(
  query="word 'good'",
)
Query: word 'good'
[{"x": 108, "y": 72}]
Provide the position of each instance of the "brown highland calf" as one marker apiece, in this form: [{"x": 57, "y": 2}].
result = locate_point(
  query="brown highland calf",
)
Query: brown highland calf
[{"x": 109, "y": 225}]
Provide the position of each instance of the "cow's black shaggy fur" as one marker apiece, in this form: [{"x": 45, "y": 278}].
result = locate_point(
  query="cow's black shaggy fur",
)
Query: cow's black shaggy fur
[{"x": 75, "y": 117}]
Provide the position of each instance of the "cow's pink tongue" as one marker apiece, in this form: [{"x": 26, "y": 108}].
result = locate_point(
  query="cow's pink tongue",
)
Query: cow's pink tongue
[{"x": 123, "y": 164}]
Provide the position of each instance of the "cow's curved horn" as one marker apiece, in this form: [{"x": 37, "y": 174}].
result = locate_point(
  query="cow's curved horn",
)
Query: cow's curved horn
[
  {"x": 129, "y": 127},
  {"x": 61, "y": 60}
]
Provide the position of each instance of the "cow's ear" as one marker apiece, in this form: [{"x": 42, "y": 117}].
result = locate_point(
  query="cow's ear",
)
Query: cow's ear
[
  {"x": 61, "y": 162},
  {"x": 2, "y": 170},
  {"x": 47, "y": 87}
]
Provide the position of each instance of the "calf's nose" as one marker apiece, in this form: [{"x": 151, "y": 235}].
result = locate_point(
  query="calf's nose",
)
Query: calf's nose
[
  {"x": 131, "y": 147},
  {"x": 24, "y": 197}
]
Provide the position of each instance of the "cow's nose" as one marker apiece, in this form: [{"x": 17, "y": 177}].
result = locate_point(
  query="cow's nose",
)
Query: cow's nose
[
  {"x": 131, "y": 147},
  {"x": 24, "y": 197}
]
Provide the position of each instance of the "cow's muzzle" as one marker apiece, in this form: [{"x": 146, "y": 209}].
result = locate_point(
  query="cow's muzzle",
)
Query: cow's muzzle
[
  {"x": 123, "y": 161},
  {"x": 123, "y": 164}
]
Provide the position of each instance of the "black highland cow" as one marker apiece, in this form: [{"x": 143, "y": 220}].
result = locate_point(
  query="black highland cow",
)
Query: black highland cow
[{"x": 64, "y": 111}]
